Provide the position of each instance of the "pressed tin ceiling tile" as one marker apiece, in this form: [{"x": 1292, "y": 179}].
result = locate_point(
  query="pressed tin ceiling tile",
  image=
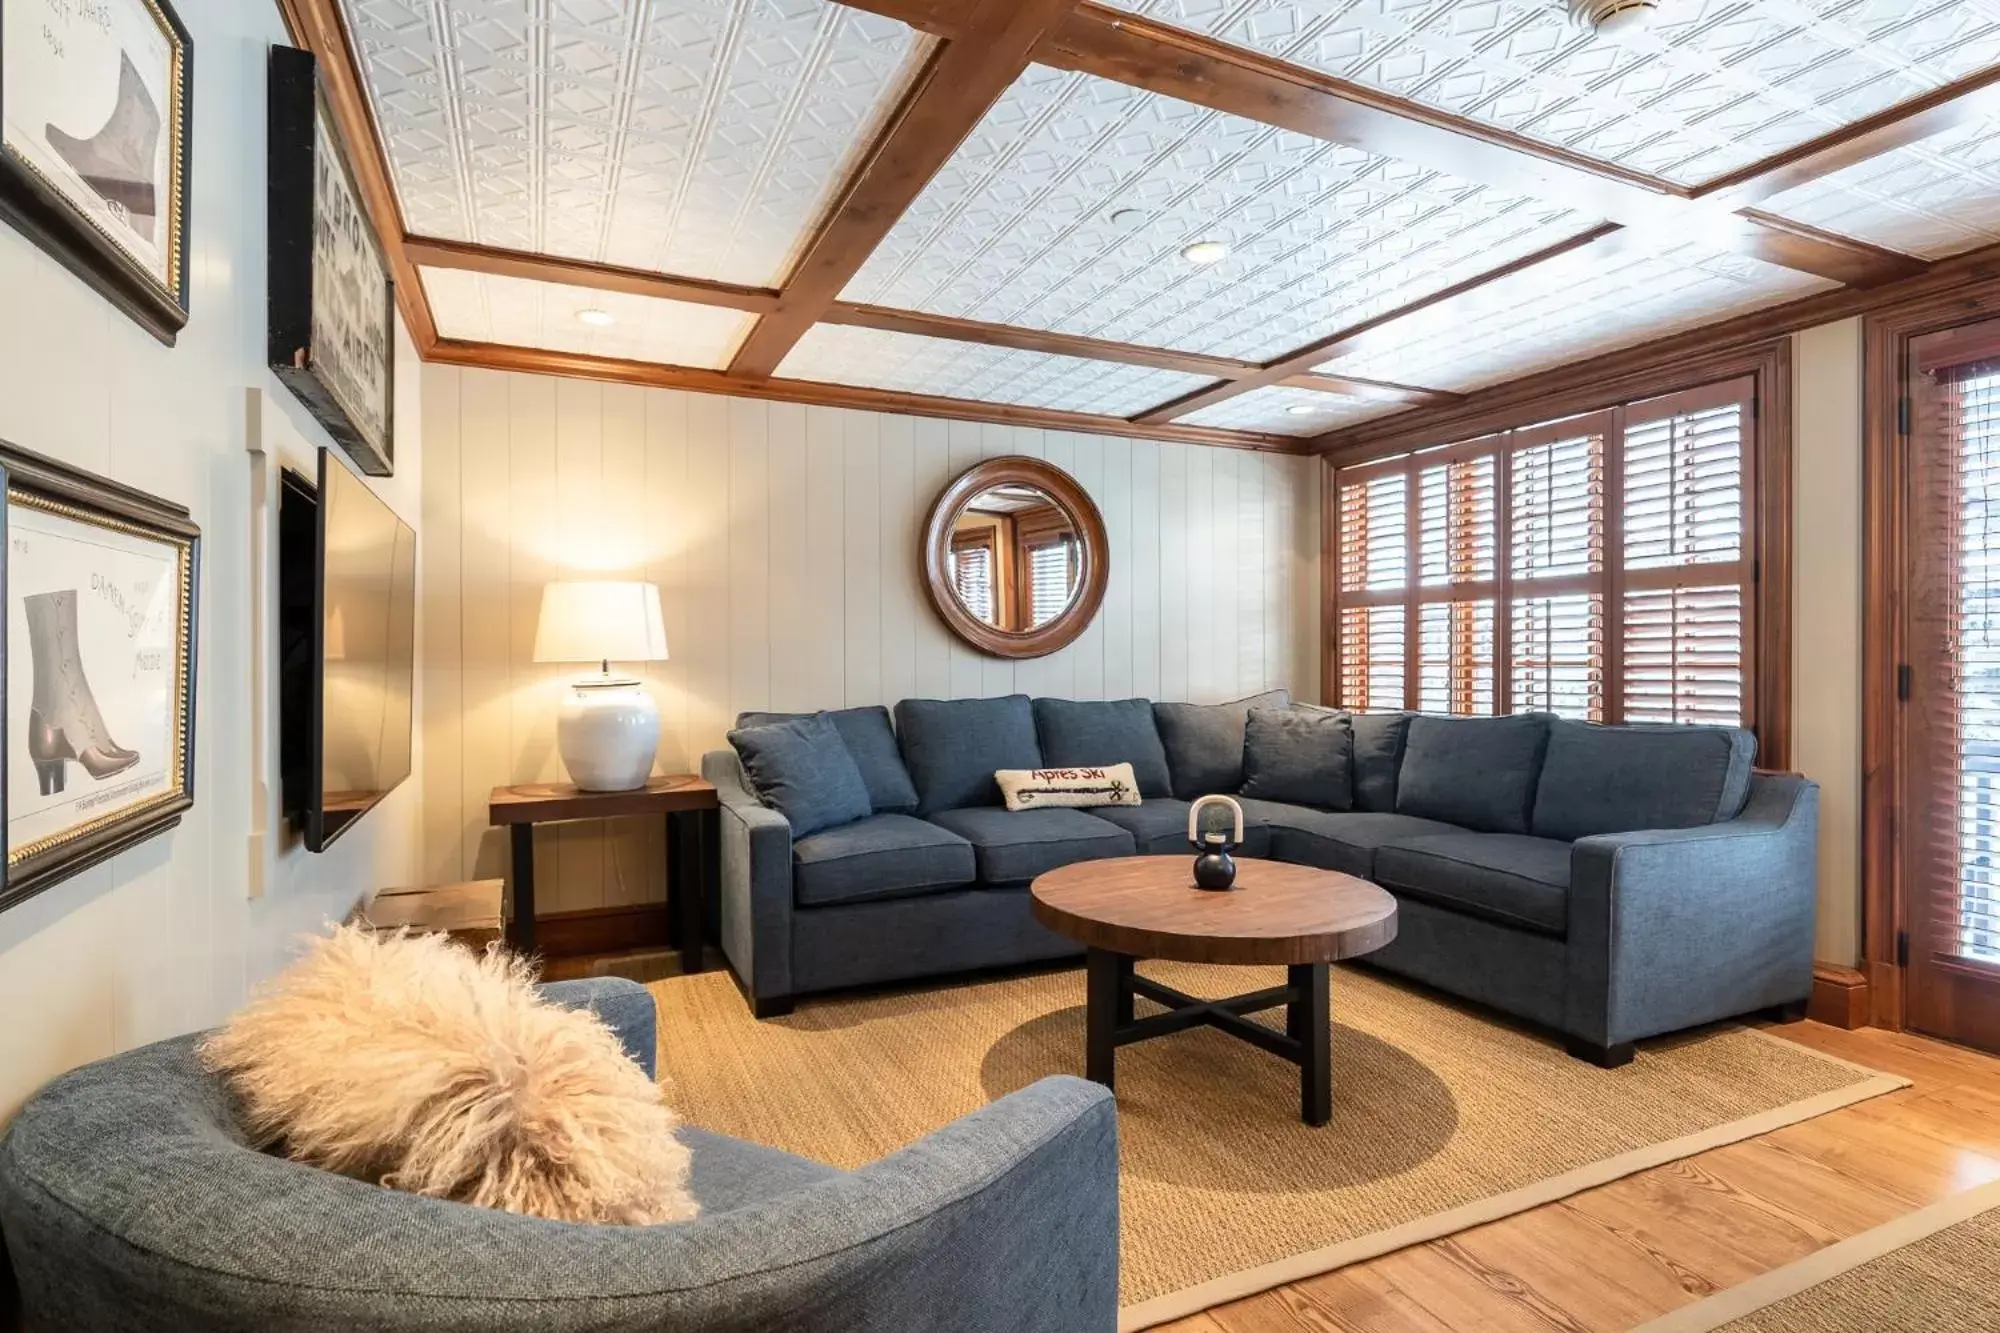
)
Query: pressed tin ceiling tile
[
  {"x": 1019, "y": 226},
  {"x": 1934, "y": 198},
  {"x": 911, "y": 363},
  {"x": 1596, "y": 299},
  {"x": 1270, "y": 409},
  {"x": 1713, "y": 85},
  {"x": 521, "y": 312},
  {"x": 700, "y": 137}
]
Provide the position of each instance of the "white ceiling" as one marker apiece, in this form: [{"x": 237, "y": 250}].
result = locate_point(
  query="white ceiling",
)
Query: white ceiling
[
  {"x": 1713, "y": 85},
  {"x": 520, "y": 312},
  {"x": 707, "y": 139},
  {"x": 700, "y": 137}
]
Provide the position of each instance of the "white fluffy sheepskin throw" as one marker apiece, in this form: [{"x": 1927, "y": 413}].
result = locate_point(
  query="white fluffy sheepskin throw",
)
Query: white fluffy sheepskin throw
[{"x": 415, "y": 1063}]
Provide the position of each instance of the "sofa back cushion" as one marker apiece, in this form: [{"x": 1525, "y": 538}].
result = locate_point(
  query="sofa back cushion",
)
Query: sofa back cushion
[
  {"x": 871, "y": 742},
  {"x": 1204, "y": 742},
  {"x": 1476, "y": 772},
  {"x": 953, "y": 747},
  {"x": 1301, "y": 756},
  {"x": 1378, "y": 757},
  {"x": 1621, "y": 779},
  {"x": 802, "y": 770},
  {"x": 1079, "y": 734}
]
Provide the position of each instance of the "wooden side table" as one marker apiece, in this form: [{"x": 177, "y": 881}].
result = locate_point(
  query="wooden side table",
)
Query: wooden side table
[{"x": 692, "y": 814}]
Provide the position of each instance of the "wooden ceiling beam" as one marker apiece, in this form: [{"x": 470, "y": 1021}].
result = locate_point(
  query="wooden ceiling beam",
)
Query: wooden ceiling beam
[
  {"x": 1569, "y": 388},
  {"x": 430, "y": 252},
  {"x": 535, "y": 361},
  {"x": 1128, "y": 49},
  {"x": 960, "y": 82},
  {"x": 1945, "y": 108},
  {"x": 1374, "y": 391},
  {"x": 1317, "y": 353},
  {"x": 316, "y": 26}
]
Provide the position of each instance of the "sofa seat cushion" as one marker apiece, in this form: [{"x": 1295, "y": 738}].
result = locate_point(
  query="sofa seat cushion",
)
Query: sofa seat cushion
[
  {"x": 1343, "y": 840},
  {"x": 1598, "y": 779},
  {"x": 1510, "y": 878},
  {"x": 726, "y": 1174},
  {"x": 1014, "y": 846},
  {"x": 1159, "y": 828},
  {"x": 884, "y": 856}
]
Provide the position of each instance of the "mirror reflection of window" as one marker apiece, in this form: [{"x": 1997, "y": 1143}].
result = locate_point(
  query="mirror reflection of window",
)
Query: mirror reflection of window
[{"x": 1016, "y": 558}]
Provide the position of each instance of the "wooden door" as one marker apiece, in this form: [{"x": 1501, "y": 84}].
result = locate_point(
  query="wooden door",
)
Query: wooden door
[{"x": 1950, "y": 819}]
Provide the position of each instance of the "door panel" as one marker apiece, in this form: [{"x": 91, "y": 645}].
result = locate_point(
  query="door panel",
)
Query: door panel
[{"x": 1950, "y": 816}]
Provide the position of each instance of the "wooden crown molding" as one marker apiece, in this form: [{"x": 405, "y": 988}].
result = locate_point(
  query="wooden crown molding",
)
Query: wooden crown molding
[
  {"x": 535, "y": 361},
  {"x": 1944, "y": 281},
  {"x": 316, "y": 26},
  {"x": 959, "y": 84}
]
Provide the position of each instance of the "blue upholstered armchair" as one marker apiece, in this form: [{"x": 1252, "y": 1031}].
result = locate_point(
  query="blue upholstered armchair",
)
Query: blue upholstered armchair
[{"x": 129, "y": 1201}]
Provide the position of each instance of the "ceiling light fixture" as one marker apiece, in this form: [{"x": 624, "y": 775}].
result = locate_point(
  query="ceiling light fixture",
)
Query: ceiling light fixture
[
  {"x": 1614, "y": 18},
  {"x": 1126, "y": 217},
  {"x": 1301, "y": 410},
  {"x": 1203, "y": 253},
  {"x": 596, "y": 318}
]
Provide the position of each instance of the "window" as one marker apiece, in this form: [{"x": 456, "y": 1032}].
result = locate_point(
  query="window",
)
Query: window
[
  {"x": 1598, "y": 567},
  {"x": 972, "y": 575},
  {"x": 1049, "y": 580}
]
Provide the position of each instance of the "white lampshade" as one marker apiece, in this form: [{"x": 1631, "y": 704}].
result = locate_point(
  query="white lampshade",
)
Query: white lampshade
[{"x": 607, "y": 622}]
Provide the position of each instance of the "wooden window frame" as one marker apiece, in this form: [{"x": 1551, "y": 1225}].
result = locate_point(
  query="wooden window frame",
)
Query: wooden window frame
[
  {"x": 1887, "y": 339},
  {"x": 1767, "y": 610}
]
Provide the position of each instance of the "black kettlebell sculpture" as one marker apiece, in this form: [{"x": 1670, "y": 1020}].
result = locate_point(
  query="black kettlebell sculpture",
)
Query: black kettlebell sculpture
[{"x": 1214, "y": 868}]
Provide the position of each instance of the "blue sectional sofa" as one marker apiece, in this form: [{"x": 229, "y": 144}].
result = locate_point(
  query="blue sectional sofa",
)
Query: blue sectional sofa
[{"x": 1609, "y": 883}]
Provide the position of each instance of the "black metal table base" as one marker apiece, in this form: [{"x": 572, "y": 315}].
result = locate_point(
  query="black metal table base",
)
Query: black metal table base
[
  {"x": 693, "y": 844},
  {"x": 1305, "y": 1042}
]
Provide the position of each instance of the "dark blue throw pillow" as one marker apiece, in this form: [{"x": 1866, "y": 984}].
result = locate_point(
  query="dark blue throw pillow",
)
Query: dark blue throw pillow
[
  {"x": 870, "y": 740},
  {"x": 1300, "y": 756},
  {"x": 802, "y": 770}
]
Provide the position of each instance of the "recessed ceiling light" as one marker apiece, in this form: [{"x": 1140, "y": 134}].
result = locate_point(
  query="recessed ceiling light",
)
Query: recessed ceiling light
[
  {"x": 1301, "y": 409},
  {"x": 596, "y": 318},
  {"x": 1204, "y": 253},
  {"x": 1126, "y": 217}
]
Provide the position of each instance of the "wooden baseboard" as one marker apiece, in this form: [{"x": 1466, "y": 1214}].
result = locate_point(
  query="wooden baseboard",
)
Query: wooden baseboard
[
  {"x": 601, "y": 930},
  {"x": 1839, "y": 997}
]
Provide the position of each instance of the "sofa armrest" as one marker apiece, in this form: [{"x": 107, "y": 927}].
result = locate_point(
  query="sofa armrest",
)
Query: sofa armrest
[
  {"x": 1004, "y": 1221},
  {"x": 625, "y": 1006},
  {"x": 755, "y": 912},
  {"x": 1675, "y": 927}
]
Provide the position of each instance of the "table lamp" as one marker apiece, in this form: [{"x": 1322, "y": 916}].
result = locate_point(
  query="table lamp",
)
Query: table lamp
[{"x": 609, "y": 727}]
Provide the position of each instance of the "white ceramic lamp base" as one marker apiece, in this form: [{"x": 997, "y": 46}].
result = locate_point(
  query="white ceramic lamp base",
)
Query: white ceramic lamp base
[{"x": 608, "y": 732}]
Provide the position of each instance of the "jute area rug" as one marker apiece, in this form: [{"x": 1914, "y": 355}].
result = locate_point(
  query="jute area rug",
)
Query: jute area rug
[
  {"x": 1443, "y": 1118},
  {"x": 1932, "y": 1271}
]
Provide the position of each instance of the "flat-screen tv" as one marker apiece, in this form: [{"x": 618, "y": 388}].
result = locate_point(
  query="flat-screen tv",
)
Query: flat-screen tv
[{"x": 347, "y": 617}]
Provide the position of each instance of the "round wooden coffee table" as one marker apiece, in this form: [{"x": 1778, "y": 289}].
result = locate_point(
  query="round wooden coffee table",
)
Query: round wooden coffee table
[{"x": 1148, "y": 907}]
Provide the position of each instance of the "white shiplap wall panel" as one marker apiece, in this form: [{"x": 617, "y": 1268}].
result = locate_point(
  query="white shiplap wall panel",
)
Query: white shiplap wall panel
[{"x": 784, "y": 539}]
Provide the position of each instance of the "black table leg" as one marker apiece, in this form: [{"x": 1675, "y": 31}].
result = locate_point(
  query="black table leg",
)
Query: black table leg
[
  {"x": 686, "y": 885},
  {"x": 1107, "y": 1007},
  {"x": 1308, "y": 1022},
  {"x": 521, "y": 930}
]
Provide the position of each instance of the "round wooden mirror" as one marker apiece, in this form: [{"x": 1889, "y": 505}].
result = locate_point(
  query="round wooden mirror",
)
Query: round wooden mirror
[{"x": 1015, "y": 557}]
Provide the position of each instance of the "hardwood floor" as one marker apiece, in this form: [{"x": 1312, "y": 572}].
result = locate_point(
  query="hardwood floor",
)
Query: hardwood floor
[{"x": 1617, "y": 1256}]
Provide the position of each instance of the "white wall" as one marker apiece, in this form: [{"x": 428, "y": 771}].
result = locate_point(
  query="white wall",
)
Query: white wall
[
  {"x": 784, "y": 540},
  {"x": 1826, "y": 616},
  {"x": 166, "y": 938}
]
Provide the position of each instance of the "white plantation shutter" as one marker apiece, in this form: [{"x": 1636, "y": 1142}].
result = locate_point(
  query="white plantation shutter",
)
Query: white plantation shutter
[
  {"x": 1597, "y": 567},
  {"x": 1048, "y": 582},
  {"x": 972, "y": 574}
]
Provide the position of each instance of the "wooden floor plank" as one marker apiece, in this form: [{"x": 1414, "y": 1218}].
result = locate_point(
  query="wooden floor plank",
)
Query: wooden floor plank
[{"x": 1634, "y": 1249}]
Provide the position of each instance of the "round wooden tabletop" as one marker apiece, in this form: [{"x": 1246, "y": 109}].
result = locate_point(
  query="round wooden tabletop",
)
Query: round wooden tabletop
[{"x": 1148, "y": 907}]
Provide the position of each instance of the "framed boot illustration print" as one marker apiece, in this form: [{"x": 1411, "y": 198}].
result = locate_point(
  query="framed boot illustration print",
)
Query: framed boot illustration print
[
  {"x": 98, "y": 747},
  {"x": 95, "y": 142}
]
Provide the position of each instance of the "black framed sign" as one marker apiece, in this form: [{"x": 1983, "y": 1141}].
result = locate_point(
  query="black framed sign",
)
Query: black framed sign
[
  {"x": 96, "y": 143},
  {"x": 97, "y": 747},
  {"x": 333, "y": 302}
]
